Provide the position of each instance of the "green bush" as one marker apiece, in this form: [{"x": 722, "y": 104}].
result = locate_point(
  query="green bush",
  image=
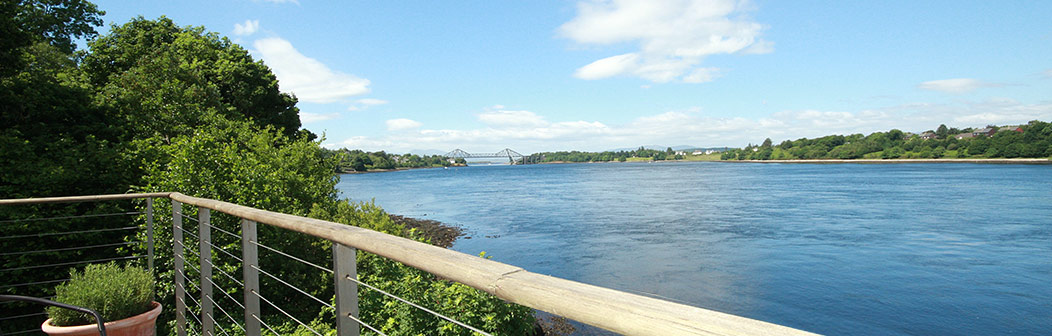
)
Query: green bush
[{"x": 112, "y": 291}]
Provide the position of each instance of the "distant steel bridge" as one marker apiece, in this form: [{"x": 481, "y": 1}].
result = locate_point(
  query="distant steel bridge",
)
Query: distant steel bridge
[{"x": 513, "y": 156}]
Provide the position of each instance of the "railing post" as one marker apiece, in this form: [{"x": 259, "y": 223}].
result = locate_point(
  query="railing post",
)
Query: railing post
[
  {"x": 204, "y": 236},
  {"x": 149, "y": 234},
  {"x": 250, "y": 262},
  {"x": 345, "y": 268},
  {"x": 177, "y": 259}
]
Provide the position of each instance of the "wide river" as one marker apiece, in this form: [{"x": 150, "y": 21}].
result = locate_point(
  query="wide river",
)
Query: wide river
[{"x": 877, "y": 249}]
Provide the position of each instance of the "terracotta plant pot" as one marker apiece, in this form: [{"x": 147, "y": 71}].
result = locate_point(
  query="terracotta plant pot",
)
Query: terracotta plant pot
[{"x": 144, "y": 324}]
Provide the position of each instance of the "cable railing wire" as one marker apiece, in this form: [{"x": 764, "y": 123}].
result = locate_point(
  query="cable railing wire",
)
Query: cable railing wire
[
  {"x": 225, "y": 231},
  {"x": 71, "y": 263},
  {"x": 21, "y": 316},
  {"x": 21, "y": 220},
  {"x": 420, "y": 307},
  {"x": 360, "y": 322},
  {"x": 37, "y": 235},
  {"x": 31, "y": 283},
  {"x": 69, "y": 248},
  {"x": 232, "y": 319},
  {"x": 265, "y": 325},
  {"x": 286, "y": 313},
  {"x": 215, "y": 268},
  {"x": 291, "y": 256},
  {"x": 293, "y": 287}
]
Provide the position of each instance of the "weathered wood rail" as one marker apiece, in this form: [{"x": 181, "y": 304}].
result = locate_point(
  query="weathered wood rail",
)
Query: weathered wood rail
[{"x": 613, "y": 310}]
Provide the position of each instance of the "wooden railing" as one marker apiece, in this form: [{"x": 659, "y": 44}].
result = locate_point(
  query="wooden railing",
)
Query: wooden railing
[{"x": 613, "y": 310}]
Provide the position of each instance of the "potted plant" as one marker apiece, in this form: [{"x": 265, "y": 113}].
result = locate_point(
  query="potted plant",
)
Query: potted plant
[{"x": 122, "y": 295}]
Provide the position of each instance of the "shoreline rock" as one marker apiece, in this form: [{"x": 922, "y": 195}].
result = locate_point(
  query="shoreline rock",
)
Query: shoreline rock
[{"x": 440, "y": 234}]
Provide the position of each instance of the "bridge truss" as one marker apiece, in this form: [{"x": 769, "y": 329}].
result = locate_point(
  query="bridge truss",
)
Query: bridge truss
[{"x": 513, "y": 156}]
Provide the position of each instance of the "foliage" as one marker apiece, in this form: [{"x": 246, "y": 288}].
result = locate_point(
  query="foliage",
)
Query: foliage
[
  {"x": 113, "y": 291},
  {"x": 640, "y": 154},
  {"x": 1034, "y": 141},
  {"x": 141, "y": 66},
  {"x": 157, "y": 107},
  {"x": 360, "y": 161}
]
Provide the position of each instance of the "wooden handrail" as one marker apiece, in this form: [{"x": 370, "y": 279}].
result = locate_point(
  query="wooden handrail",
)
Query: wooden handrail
[
  {"x": 76, "y": 199},
  {"x": 613, "y": 310}
]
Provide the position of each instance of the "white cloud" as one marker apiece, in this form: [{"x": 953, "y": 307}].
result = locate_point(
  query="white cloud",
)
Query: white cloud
[
  {"x": 309, "y": 79},
  {"x": 401, "y": 124},
  {"x": 528, "y": 132},
  {"x": 371, "y": 101},
  {"x": 955, "y": 85},
  {"x": 673, "y": 36},
  {"x": 1047, "y": 73},
  {"x": 248, "y": 28},
  {"x": 307, "y": 117},
  {"x": 504, "y": 118}
]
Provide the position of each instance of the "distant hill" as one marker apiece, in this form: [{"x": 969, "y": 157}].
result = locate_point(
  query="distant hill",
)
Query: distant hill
[{"x": 654, "y": 147}]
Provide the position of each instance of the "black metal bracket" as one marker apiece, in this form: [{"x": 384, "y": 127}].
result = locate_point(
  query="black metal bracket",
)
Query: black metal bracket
[{"x": 98, "y": 318}]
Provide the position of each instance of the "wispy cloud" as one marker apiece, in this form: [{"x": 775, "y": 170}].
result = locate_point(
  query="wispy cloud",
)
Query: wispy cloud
[
  {"x": 673, "y": 37},
  {"x": 956, "y": 85},
  {"x": 248, "y": 28},
  {"x": 308, "y": 78},
  {"x": 402, "y": 124},
  {"x": 307, "y": 117},
  {"x": 527, "y": 131},
  {"x": 1047, "y": 73},
  {"x": 371, "y": 101}
]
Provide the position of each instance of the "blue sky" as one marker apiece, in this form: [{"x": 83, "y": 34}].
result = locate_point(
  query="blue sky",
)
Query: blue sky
[{"x": 594, "y": 75}]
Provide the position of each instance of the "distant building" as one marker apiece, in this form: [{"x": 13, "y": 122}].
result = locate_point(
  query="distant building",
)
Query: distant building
[
  {"x": 1011, "y": 128},
  {"x": 928, "y": 136},
  {"x": 989, "y": 131},
  {"x": 698, "y": 152},
  {"x": 681, "y": 153},
  {"x": 964, "y": 136}
]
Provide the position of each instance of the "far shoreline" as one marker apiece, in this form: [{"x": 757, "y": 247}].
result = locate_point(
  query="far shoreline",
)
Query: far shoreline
[
  {"x": 898, "y": 161},
  {"x": 1031, "y": 161}
]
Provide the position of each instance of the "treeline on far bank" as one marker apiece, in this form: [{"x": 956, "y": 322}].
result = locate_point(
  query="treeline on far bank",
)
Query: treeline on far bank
[
  {"x": 1032, "y": 140},
  {"x": 361, "y": 161},
  {"x": 609, "y": 156}
]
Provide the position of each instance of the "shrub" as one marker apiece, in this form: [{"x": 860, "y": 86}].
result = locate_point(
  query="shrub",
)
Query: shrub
[{"x": 112, "y": 291}]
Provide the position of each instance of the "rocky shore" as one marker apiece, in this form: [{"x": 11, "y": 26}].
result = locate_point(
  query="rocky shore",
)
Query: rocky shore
[{"x": 438, "y": 233}]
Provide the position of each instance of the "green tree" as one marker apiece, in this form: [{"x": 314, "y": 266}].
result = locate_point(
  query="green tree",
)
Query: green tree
[
  {"x": 138, "y": 65},
  {"x": 942, "y": 132}
]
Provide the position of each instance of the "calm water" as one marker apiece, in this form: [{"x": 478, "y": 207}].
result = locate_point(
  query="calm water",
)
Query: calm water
[{"x": 921, "y": 249}]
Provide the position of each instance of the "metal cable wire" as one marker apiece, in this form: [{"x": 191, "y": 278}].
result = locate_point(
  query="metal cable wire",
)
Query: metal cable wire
[
  {"x": 225, "y": 313},
  {"x": 214, "y": 324},
  {"x": 69, "y": 217},
  {"x": 365, "y": 325},
  {"x": 189, "y": 217},
  {"x": 293, "y": 287},
  {"x": 224, "y": 231},
  {"x": 214, "y": 267},
  {"x": 37, "y": 235},
  {"x": 71, "y": 263},
  {"x": 286, "y": 314},
  {"x": 420, "y": 307},
  {"x": 32, "y": 283},
  {"x": 265, "y": 325},
  {"x": 21, "y": 316},
  {"x": 68, "y": 248},
  {"x": 291, "y": 256},
  {"x": 226, "y": 293},
  {"x": 189, "y": 233}
]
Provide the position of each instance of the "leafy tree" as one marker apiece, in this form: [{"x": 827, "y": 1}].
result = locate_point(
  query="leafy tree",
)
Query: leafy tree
[
  {"x": 942, "y": 132},
  {"x": 136, "y": 65}
]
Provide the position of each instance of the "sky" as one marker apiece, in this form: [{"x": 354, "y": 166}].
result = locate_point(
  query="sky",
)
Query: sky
[{"x": 432, "y": 76}]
